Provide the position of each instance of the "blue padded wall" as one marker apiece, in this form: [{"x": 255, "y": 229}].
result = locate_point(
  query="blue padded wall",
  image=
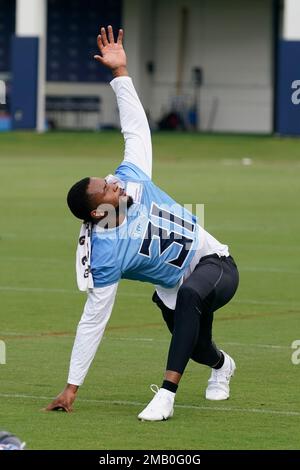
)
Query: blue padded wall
[
  {"x": 24, "y": 82},
  {"x": 7, "y": 28},
  {"x": 288, "y": 113},
  {"x": 73, "y": 26}
]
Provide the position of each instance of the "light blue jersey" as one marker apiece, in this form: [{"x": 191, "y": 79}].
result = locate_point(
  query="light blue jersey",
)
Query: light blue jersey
[{"x": 155, "y": 243}]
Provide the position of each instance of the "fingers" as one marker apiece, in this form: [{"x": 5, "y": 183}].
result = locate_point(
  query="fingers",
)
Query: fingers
[
  {"x": 110, "y": 34},
  {"x": 58, "y": 406},
  {"x": 104, "y": 37},
  {"x": 120, "y": 36},
  {"x": 98, "y": 58},
  {"x": 99, "y": 42},
  {"x": 102, "y": 40}
]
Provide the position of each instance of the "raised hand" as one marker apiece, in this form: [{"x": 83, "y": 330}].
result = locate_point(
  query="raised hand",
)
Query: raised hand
[{"x": 112, "y": 53}]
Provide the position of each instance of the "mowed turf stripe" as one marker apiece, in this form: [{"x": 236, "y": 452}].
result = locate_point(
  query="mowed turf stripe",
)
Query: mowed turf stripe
[
  {"x": 64, "y": 334},
  {"x": 136, "y": 403},
  {"x": 133, "y": 294},
  {"x": 56, "y": 261}
]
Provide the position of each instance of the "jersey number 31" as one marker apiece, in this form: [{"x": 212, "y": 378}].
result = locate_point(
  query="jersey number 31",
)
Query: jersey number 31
[{"x": 167, "y": 238}]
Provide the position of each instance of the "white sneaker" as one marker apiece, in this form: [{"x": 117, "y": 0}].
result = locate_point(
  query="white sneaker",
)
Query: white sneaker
[
  {"x": 161, "y": 406},
  {"x": 218, "y": 384}
]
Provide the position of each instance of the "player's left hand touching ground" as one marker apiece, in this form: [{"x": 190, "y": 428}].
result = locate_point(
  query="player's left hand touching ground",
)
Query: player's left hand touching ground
[
  {"x": 112, "y": 53},
  {"x": 64, "y": 400}
]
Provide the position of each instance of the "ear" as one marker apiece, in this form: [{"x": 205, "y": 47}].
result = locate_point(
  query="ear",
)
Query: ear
[{"x": 97, "y": 214}]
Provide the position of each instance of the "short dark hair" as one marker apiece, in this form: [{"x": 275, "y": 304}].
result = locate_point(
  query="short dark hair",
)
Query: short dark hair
[{"x": 79, "y": 201}]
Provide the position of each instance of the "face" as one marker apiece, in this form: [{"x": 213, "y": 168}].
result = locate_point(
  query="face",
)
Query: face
[{"x": 105, "y": 194}]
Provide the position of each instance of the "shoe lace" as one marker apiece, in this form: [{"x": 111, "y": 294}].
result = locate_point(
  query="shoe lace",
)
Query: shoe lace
[
  {"x": 219, "y": 375},
  {"x": 154, "y": 388}
]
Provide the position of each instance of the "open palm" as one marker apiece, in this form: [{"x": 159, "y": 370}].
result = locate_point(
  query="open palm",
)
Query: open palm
[{"x": 112, "y": 53}]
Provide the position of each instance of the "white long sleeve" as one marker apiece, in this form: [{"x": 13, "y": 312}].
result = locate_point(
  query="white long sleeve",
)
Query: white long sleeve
[
  {"x": 134, "y": 125},
  {"x": 99, "y": 304},
  {"x": 96, "y": 314}
]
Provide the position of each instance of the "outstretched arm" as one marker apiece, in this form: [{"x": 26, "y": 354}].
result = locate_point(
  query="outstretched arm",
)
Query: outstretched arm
[
  {"x": 134, "y": 123},
  {"x": 90, "y": 330}
]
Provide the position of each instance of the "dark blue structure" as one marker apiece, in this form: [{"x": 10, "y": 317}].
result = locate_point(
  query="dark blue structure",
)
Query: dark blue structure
[
  {"x": 7, "y": 28},
  {"x": 71, "y": 38},
  {"x": 288, "y": 94},
  {"x": 24, "y": 82}
]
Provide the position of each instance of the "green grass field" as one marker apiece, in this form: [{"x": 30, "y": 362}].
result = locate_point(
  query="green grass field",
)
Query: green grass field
[{"x": 253, "y": 208}]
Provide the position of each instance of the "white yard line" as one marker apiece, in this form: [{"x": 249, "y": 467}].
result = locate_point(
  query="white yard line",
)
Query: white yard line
[{"x": 136, "y": 403}]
